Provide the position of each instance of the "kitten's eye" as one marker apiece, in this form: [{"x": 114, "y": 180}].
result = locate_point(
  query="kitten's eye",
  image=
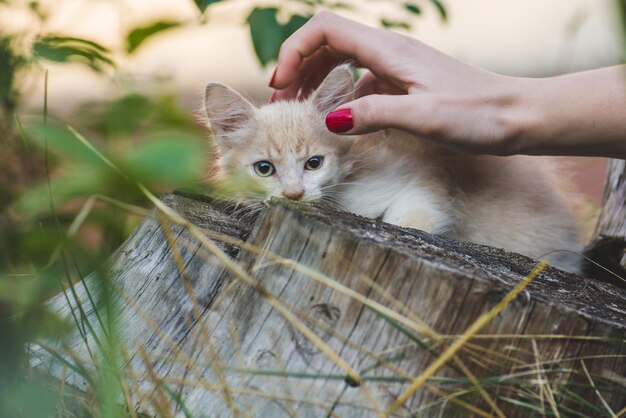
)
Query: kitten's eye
[
  {"x": 314, "y": 163},
  {"x": 264, "y": 168}
]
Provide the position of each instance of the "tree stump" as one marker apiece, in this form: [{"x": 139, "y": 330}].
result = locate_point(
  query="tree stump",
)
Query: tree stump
[
  {"x": 200, "y": 340},
  {"x": 608, "y": 246}
]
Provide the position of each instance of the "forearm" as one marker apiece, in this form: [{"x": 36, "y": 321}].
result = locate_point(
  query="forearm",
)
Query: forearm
[{"x": 575, "y": 114}]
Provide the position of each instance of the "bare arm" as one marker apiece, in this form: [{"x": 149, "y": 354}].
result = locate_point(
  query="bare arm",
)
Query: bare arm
[
  {"x": 416, "y": 88},
  {"x": 575, "y": 114}
]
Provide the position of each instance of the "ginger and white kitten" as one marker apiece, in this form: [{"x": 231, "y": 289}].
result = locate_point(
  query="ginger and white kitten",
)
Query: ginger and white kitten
[{"x": 285, "y": 150}]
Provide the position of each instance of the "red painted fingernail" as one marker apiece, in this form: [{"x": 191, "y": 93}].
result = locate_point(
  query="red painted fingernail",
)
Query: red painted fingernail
[
  {"x": 339, "y": 120},
  {"x": 273, "y": 77},
  {"x": 273, "y": 97}
]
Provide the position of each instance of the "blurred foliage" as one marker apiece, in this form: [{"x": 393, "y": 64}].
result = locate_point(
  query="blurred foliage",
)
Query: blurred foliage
[
  {"x": 203, "y": 4},
  {"x": 11, "y": 62},
  {"x": 138, "y": 35},
  {"x": 267, "y": 42},
  {"x": 69, "y": 191},
  {"x": 268, "y": 31},
  {"x": 53, "y": 231},
  {"x": 441, "y": 9},
  {"x": 67, "y": 49},
  {"x": 65, "y": 225},
  {"x": 270, "y": 26}
]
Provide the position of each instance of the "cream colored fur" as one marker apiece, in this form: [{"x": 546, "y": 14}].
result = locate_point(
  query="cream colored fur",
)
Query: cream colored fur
[{"x": 509, "y": 202}]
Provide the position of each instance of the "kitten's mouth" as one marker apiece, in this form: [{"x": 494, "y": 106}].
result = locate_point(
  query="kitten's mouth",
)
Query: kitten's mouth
[
  {"x": 307, "y": 199},
  {"x": 294, "y": 195}
]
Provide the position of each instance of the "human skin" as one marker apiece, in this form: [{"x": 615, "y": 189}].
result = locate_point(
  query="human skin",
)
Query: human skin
[{"x": 416, "y": 88}]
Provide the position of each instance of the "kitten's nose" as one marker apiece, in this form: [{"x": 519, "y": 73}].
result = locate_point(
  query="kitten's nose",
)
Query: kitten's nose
[{"x": 295, "y": 194}]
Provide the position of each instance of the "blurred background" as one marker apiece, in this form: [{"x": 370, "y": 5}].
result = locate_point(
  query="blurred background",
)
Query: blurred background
[{"x": 526, "y": 38}]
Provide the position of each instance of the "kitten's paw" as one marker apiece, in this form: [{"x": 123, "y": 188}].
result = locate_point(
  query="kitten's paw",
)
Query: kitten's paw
[
  {"x": 412, "y": 219},
  {"x": 431, "y": 220}
]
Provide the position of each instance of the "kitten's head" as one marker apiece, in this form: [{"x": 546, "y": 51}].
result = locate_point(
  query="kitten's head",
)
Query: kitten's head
[{"x": 283, "y": 149}]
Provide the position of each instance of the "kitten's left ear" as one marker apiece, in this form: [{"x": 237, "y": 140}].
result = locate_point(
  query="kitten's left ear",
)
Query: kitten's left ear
[
  {"x": 335, "y": 90},
  {"x": 226, "y": 109}
]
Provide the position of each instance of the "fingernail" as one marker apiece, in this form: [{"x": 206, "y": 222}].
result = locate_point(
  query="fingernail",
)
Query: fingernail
[
  {"x": 272, "y": 97},
  {"x": 273, "y": 77},
  {"x": 339, "y": 120}
]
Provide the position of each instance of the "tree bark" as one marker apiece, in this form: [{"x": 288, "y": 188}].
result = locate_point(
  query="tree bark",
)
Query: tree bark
[
  {"x": 227, "y": 347},
  {"x": 608, "y": 246}
]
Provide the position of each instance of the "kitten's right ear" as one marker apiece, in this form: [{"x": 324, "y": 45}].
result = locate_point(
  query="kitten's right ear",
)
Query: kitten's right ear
[
  {"x": 226, "y": 109},
  {"x": 336, "y": 89}
]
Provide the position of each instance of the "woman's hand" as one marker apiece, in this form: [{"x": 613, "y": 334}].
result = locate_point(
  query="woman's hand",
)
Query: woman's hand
[{"x": 416, "y": 88}]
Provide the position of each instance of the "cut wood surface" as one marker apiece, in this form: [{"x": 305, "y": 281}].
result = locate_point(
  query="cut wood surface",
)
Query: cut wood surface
[
  {"x": 608, "y": 247},
  {"x": 192, "y": 327}
]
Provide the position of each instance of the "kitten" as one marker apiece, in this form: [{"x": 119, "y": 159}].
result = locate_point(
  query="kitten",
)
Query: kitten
[{"x": 284, "y": 149}]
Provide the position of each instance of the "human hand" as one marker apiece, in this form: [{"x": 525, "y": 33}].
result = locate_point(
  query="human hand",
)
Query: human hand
[{"x": 408, "y": 86}]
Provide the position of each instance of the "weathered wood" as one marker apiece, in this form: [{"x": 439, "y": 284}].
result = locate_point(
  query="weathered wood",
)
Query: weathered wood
[
  {"x": 241, "y": 340},
  {"x": 608, "y": 246}
]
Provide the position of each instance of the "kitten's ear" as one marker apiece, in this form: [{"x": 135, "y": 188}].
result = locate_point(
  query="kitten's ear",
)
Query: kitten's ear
[
  {"x": 335, "y": 90},
  {"x": 226, "y": 109}
]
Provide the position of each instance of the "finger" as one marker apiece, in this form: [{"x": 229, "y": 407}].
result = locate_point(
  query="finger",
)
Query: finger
[
  {"x": 324, "y": 63},
  {"x": 319, "y": 71},
  {"x": 370, "y": 84},
  {"x": 375, "y": 112},
  {"x": 315, "y": 69},
  {"x": 288, "y": 93},
  {"x": 345, "y": 38}
]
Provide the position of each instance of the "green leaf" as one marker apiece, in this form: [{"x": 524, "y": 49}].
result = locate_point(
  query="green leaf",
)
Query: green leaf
[
  {"x": 341, "y": 5},
  {"x": 29, "y": 399},
  {"x": 11, "y": 62},
  {"x": 25, "y": 294},
  {"x": 127, "y": 114},
  {"x": 203, "y": 4},
  {"x": 67, "y": 49},
  {"x": 394, "y": 24},
  {"x": 83, "y": 181},
  {"x": 413, "y": 8},
  {"x": 295, "y": 23},
  {"x": 77, "y": 41},
  {"x": 61, "y": 142},
  {"x": 138, "y": 35},
  {"x": 311, "y": 3},
  {"x": 268, "y": 34},
  {"x": 523, "y": 404},
  {"x": 574, "y": 397},
  {"x": 441, "y": 9},
  {"x": 171, "y": 160},
  {"x": 178, "y": 400}
]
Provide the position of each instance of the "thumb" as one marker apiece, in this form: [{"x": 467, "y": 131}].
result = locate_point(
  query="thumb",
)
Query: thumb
[{"x": 375, "y": 112}]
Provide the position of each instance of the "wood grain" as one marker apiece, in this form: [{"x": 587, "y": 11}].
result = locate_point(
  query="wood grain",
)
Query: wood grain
[{"x": 608, "y": 246}]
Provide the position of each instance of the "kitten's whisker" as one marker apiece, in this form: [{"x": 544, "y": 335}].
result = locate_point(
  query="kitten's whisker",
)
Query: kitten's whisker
[
  {"x": 333, "y": 202},
  {"x": 340, "y": 184},
  {"x": 338, "y": 193},
  {"x": 347, "y": 183}
]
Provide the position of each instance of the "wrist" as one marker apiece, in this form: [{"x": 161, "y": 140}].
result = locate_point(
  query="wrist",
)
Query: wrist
[{"x": 522, "y": 115}]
